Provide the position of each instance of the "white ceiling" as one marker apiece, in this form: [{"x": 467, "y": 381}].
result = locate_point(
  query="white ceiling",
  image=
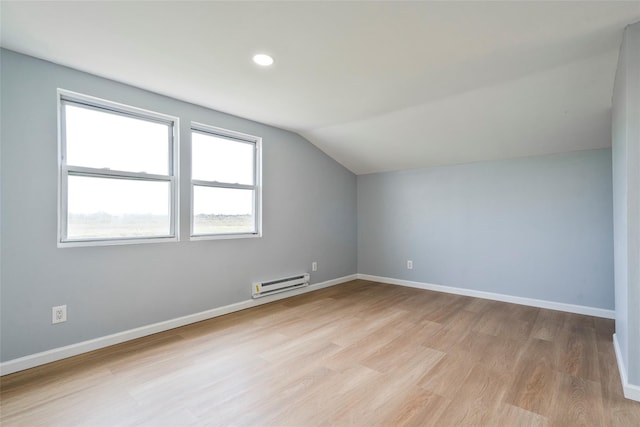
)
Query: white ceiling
[{"x": 378, "y": 86}]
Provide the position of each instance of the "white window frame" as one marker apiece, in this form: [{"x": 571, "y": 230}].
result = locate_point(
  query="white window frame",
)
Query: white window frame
[
  {"x": 65, "y": 170},
  {"x": 257, "y": 185}
]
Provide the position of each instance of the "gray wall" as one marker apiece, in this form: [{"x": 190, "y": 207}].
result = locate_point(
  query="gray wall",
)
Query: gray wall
[
  {"x": 538, "y": 227},
  {"x": 626, "y": 201},
  {"x": 309, "y": 204}
]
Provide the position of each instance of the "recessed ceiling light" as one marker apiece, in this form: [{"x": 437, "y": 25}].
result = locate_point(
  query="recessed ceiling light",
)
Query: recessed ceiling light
[{"x": 262, "y": 59}]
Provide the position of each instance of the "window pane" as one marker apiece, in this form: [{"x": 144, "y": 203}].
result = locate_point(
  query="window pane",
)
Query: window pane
[
  {"x": 222, "y": 210},
  {"x": 99, "y": 139},
  {"x": 220, "y": 159},
  {"x": 117, "y": 208}
]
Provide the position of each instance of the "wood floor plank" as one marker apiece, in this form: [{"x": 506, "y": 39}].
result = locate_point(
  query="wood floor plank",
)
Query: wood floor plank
[
  {"x": 447, "y": 377},
  {"x": 356, "y": 354},
  {"x": 577, "y": 402},
  {"x": 578, "y": 352},
  {"x": 374, "y": 341},
  {"x": 419, "y": 408},
  {"x": 493, "y": 318},
  {"x": 446, "y": 312},
  {"x": 547, "y": 325},
  {"x": 462, "y": 321},
  {"x": 443, "y": 338},
  {"x": 510, "y": 416},
  {"x": 399, "y": 351},
  {"x": 389, "y": 390},
  {"x": 535, "y": 378},
  {"x": 478, "y": 305},
  {"x": 339, "y": 390},
  {"x": 478, "y": 400}
]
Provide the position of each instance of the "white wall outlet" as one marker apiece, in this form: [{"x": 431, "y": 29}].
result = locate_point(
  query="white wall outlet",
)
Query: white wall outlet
[
  {"x": 314, "y": 266},
  {"x": 409, "y": 265},
  {"x": 59, "y": 314}
]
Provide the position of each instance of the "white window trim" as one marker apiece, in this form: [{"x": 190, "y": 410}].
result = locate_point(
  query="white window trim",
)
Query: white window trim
[
  {"x": 257, "y": 141},
  {"x": 64, "y": 171}
]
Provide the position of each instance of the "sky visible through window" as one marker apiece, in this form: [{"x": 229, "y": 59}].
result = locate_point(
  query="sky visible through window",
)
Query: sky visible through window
[{"x": 217, "y": 159}]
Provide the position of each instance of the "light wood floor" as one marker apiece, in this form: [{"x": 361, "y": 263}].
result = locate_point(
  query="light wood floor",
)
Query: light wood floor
[{"x": 360, "y": 354}]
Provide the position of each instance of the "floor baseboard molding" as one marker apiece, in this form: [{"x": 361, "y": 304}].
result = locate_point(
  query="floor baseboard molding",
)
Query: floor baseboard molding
[
  {"x": 552, "y": 305},
  {"x": 37, "y": 359},
  {"x": 630, "y": 391}
]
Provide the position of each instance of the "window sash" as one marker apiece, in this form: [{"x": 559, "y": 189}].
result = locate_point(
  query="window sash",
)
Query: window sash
[
  {"x": 254, "y": 224},
  {"x": 228, "y": 135},
  {"x": 108, "y": 180},
  {"x": 74, "y": 171},
  {"x": 107, "y": 107}
]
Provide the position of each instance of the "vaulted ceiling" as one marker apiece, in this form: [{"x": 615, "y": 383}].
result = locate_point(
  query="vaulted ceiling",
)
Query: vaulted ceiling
[{"x": 378, "y": 86}]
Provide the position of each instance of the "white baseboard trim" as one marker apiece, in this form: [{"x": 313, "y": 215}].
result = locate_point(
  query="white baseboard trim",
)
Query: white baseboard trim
[
  {"x": 52, "y": 355},
  {"x": 630, "y": 391},
  {"x": 570, "y": 308}
]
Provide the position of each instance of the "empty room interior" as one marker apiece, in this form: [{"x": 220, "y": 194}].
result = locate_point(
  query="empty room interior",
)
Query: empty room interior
[{"x": 320, "y": 213}]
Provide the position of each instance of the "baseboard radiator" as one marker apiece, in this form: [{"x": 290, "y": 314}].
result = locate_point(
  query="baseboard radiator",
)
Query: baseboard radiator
[{"x": 261, "y": 289}]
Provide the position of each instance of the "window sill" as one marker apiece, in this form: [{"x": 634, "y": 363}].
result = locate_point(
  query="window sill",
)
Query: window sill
[{"x": 115, "y": 242}]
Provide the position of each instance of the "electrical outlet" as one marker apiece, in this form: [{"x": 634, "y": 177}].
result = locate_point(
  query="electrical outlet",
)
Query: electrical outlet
[
  {"x": 409, "y": 265},
  {"x": 314, "y": 266},
  {"x": 59, "y": 314}
]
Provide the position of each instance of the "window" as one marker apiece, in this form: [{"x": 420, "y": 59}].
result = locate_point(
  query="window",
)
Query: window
[
  {"x": 117, "y": 173},
  {"x": 225, "y": 183}
]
